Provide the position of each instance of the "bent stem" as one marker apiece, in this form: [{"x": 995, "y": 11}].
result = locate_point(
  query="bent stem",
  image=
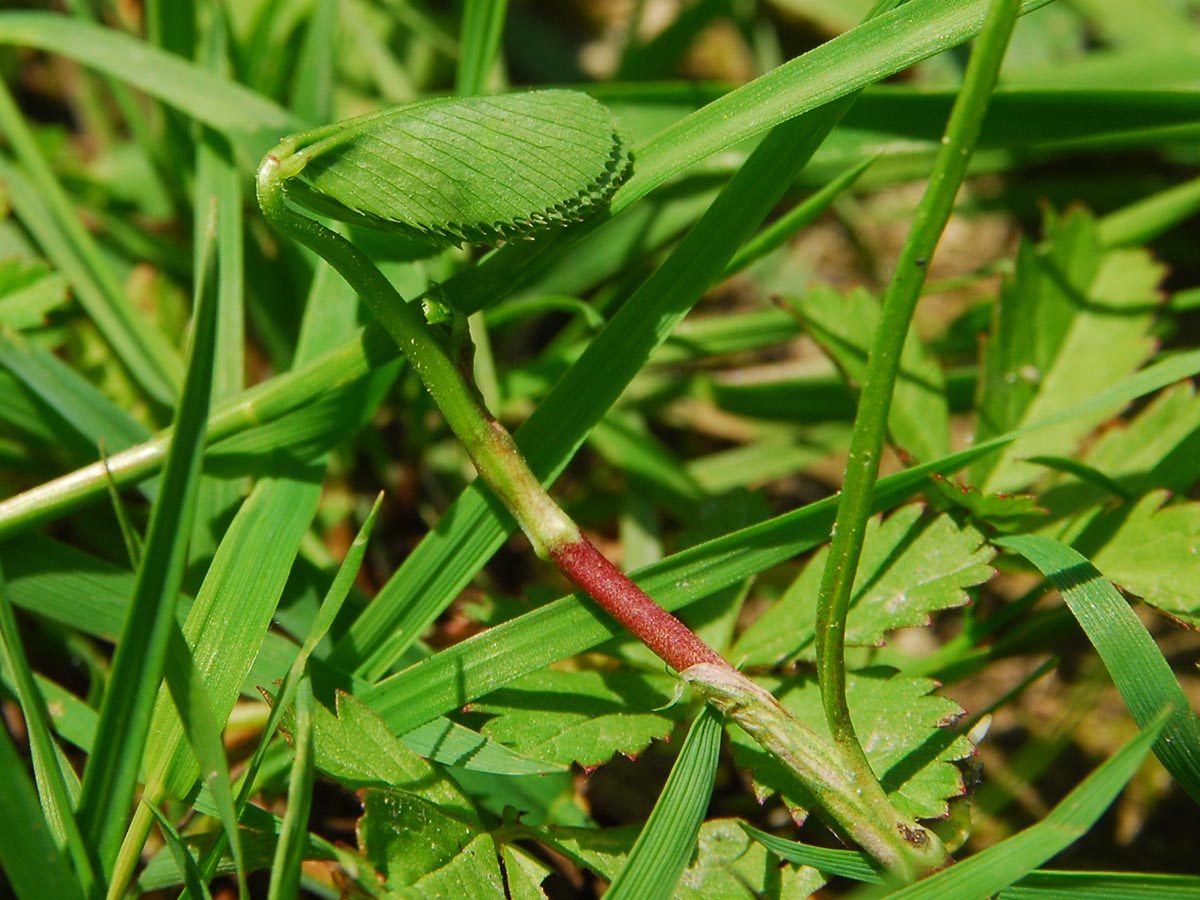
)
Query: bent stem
[{"x": 858, "y": 807}]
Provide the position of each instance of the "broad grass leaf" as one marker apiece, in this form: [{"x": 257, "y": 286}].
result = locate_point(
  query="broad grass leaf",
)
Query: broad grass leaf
[
  {"x": 581, "y": 717},
  {"x": 1073, "y": 319},
  {"x": 479, "y": 169},
  {"x": 912, "y": 566},
  {"x": 919, "y": 420},
  {"x": 729, "y": 865},
  {"x": 901, "y": 726}
]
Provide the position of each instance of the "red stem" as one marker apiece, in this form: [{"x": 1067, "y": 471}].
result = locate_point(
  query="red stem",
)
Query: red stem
[{"x": 669, "y": 638}]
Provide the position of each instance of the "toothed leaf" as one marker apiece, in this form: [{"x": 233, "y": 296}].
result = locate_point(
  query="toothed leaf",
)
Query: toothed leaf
[
  {"x": 477, "y": 169},
  {"x": 911, "y": 567},
  {"x": 580, "y": 717},
  {"x": 901, "y": 726}
]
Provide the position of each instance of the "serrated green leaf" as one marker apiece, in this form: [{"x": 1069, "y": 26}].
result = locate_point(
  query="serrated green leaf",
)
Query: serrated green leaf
[
  {"x": 480, "y": 169},
  {"x": 581, "y": 717},
  {"x": 919, "y": 421},
  {"x": 423, "y": 853},
  {"x": 355, "y": 748},
  {"x": 1073, "y": 319},
  {"x": 911, "y": 567},
  {"x": 728, "y": 865},
  {"x": 523, "y": 874},
  {"x": 900, "y": 724},
  {"x": 1004, "y": 512},
  {"x": 1152, "y": 550}
]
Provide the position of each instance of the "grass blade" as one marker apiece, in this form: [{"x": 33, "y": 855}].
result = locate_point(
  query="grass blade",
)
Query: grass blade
[
  {"x": 112, "y": 769},
  {"x": 997, "y": 867},
  {"x": 32, "y": 861},
  {"x": 1138, "y": 669},
  {"x": 847, "y": 863},
  {"x": 52, "y": 786},
  {"x": 482, "y": 27},
  {"x": 251, "y": 122},
  {"x": 666, "y": 842},
  {"x": 293, "y": 841}
]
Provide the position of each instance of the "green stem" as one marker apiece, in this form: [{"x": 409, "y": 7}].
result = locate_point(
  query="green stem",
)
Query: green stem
[
  {"x": 870, "y": 425},
  {"x": 489, "y": 445},
  {"x": 856, "y": 803}
]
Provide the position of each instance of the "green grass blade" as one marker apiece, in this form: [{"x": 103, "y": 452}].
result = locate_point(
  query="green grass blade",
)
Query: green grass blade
[
  {"x": 226, "y": 627},
  {"x": 1143, "y": 221},
  {"x": 482, "y": 28},
  {"x": 666, "y": 842},
  {"x": 32, "y": 861},
  {"x": 112, "y": 769},
  {"x": 203, "y": 731},
  {"x": 218, "y": 186},
  {"x": 1138, "y": 669},
  {"x": 193, "y": 882},
  {"x": 289, "y": 852},
  {"x": 847, "y": 863},
  {"x": 95, "y": 419},
  {"x": 48, "y": 213},
  {"x": 1051, "y": 885},
  {"x": 52, "y": 785},
  {"x": 312, "y": 93},
  {"x": 999, "y": 866},
  {"x": 250, "y": 121}
]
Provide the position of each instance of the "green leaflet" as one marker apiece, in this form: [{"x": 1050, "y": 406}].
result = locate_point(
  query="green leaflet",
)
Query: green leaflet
[{"x": 477, "y": 169}]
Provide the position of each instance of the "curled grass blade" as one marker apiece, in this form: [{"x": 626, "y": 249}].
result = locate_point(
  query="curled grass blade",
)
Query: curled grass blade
[
  {"x": 666, "y": 842},
  {"x": 1138, "y": 669}
]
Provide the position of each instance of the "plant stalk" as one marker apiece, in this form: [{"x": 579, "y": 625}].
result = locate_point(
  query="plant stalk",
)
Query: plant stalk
[
  {"x": 858, "y": 806},
  {"x": 870, "y": 425}
]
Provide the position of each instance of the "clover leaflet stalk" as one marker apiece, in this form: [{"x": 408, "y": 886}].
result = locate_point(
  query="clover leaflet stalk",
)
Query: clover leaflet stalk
[{"x": 858, "y": 807}]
